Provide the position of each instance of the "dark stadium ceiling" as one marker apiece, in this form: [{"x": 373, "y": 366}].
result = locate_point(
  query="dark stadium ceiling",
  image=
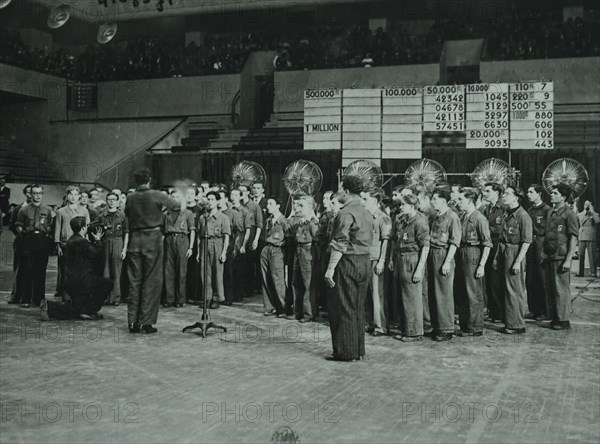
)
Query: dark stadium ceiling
[{"x": 94, "y": 12}]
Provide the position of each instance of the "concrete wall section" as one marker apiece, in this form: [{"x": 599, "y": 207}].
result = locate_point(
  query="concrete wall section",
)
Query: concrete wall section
[
  {"x": 167, "y": 97},
  {"x": 575, "y": 80},
  {"x": 26, "y": 124},
  {"x": 82, "y": 151},
  {"x": 36, "y": 85},
  {"x": 290, "y": 85}
]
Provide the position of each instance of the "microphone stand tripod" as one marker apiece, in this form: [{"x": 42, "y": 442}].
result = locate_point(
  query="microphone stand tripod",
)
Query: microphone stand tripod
[{"x": 205, "y": 322}]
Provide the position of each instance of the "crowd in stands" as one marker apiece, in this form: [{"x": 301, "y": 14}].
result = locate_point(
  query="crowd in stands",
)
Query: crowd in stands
[{"x": 509, "y": 37}]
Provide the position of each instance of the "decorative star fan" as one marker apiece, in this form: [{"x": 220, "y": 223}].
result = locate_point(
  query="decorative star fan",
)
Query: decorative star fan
[
  {"x": 493, "y": 170},
  {"x": 567, "y": 171},
  {"x": 4, "y": 3},
  {"x": 425, "y": 174},
  {"x": 302, "y": 177},
  {"x": 247, "y": 173},
  {"x": 106, "y": 32},
  {"x": 369, "y": 172}
]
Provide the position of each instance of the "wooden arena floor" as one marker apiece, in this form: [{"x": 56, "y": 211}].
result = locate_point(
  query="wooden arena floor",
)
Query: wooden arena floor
[{"x": 93, "y": 382}]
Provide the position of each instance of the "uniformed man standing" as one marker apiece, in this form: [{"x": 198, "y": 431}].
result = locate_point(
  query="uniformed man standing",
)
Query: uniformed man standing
[
  {"x": 213, "y": 232},
  {"x": 321, "y": 251},
  {"x": 410, "y": 247},
  {"x": 240, "y": 221},
  {"x": 494, "y": 213},
  {"x": 272, "y": 260},
  {"x": 259, "y": 198},
  {"x": 515, "y": 237},
  {"x": 377, "y": 305},
  {"x": 33, "y": 223},
  {"x": 180, "y": 234},
  {"x": 17, "y": 243},
  {"x": 290, "y": 254},
  {"x": 535, "y": 278},
  {"x": 446, "y": 234},
  {"x": 144, "y": 211},
  {"x": 588, "y": 223},
  {"x": 473, "y": 254},
  {"x": 250, "y": 257},
  {"x": 560, "y": 242},
  {"x": 116, "y": 238},
  {"x": 305, "y": 229},
  {"x": 348, "y": 273}
]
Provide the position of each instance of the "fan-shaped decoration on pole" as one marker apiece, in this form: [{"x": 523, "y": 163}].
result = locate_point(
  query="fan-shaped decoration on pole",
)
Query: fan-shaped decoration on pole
[
  {"x": 4, "y": 3},
  {"x": 106, "y": 32},
  {"x": 247, "y": 173},
  {"x": 369, "y": 172},
  {"x": 58, "y": 16},
  {"x": 302, "y": 177},
  {"x": 493, "y": 170},
  {"x": 425, "y": 175},
  {"x": 567, "y": 171}
]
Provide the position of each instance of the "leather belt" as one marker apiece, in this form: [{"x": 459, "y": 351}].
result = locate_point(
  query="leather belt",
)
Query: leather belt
[
  {"x": 176, "y": 234},
  {"x": 146, "y": 229}
]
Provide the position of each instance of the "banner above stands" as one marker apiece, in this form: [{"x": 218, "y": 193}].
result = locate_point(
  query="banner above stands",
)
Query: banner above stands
[{"x": 389, "y": 123}]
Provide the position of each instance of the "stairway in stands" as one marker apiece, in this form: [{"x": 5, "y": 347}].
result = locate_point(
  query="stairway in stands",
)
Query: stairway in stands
[
  {"x": 283, "y": 131},
  {"x": 20, "y": 166}
]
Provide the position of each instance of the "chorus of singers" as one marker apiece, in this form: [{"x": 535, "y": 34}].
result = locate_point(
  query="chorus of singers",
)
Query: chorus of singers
[{"x": 441, "y": 262}]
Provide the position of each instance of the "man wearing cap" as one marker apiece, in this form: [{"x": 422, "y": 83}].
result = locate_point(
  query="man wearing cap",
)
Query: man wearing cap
[
  {"x": 144, "y": 211},
  {"x": 516, "y": 234}
]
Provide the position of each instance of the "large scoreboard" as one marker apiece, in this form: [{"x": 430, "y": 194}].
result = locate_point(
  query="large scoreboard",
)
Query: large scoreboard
[{"x": 390, "y": 123}]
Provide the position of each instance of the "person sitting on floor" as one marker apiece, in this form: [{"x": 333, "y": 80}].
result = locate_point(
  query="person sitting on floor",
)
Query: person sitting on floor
[{"x": 87, "y": 291}]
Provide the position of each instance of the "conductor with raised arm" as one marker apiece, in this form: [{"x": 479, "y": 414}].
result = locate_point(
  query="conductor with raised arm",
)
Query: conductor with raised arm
[{"x": 144, "y": 211}]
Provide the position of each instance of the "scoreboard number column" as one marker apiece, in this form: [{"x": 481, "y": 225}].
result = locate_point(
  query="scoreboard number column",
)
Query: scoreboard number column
[
  {"x": 487, "y": 116},
  {"x": 532, "y": 115},
  {"x": 444, "y": 108}
]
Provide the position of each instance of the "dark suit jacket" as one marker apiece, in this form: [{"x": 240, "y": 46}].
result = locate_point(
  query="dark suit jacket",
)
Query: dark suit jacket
[
  {"x": 5, "y": 199},
  {"x": 81, "y": 259}
]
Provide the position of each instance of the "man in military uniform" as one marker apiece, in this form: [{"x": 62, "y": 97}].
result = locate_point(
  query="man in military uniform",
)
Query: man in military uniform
[
  {"x": 515, "y": 237},
  {"x": 272, "y": 260},
  {"x": 535, "y": 278},
  {"x": 62, "y": 232},
  {"x": 33, "y": 223},
  {"x": 180, "y": 234},
  {"x": 213, "y": 232},
  {"x": 560, "y": 242},
  {"x": 494, "y": 213},
  {"x": 290, "y": 254},
  {"x": 144, "y": 211},
  {"x": 348, "y": 273},
  {"x": 446, "y": 234},
  {"x": 588, "y": 223},
  {"x": 377, "y": 308},
  {"x": 473, "y": 254}
]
